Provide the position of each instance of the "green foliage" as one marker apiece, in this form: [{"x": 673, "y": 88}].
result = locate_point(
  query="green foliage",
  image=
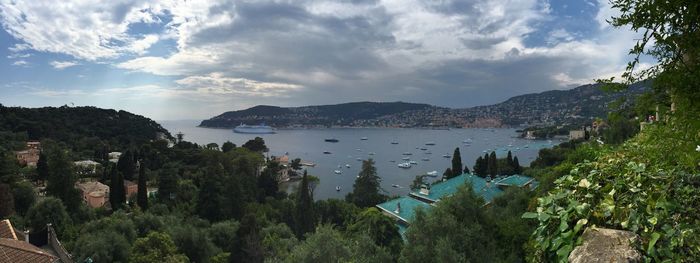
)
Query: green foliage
[
  {"x": 256, "y": 145},
  {"x": 227, "y": 146},
  {"x": 49, "y": 210},
  {"x": 105, "y": 240},
  {"x": 336, "y": 213},
  {"x": 329, "y": 245},
  {"x": 492, "y": 164},
  {"x": 117, "y": 193},
  {"x": 42, "y": 167},
  {"x": 7, "y": 201},
  {"x": 304, "y": 210},
  {"x": 366, "y": 189},
  {"x": 24, "y": 196},
  {"x": 142, "y": 194},
  {"x": 194, "y": 243},
  {"x": 156, "y": 247},
  {"x": 649, "y": 185},
  {"x": 278, "y": 242},
  {"x": 380, "y": 228},
  {"x": 61, "y": 179}
]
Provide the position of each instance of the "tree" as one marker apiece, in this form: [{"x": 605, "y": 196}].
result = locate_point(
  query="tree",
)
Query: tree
[
  {"x": 61, "y": 179},
  {"x": 49, "y": 210},
  {"x": 228, "y": 146},
  {"x": 380, "y": 228},
  {"x": 167, "y": 184},
  {"x": 210, "y": 201},
  {"x": 224, "y": 234},
  {"x": 509, "y": 162},
  {"x": 329, "y": 245},
  {"x": 480, "y": 167},
  {"x": 7, "y": 202},
  {"x": 295, "y": 165},
  {"x": 447, "y": 174},
  {"x": 156, "y": 247},
  {"x": 42, "y": 167},
  {"x": 117, "y": 193},
  {"x": 142, "y": 194},
  {"x": 418, "y": 182},
  {"x": 268, "y": 181},
  {"x": 24, "y": 196},
  {"x": 366, "y": 189},
  {"x": 493, "y": 164},
  {"x": 466, "y": 169},
  {"x": 517, "y": 169},
  {"x": 256, "y": 145},
  {"x": 212, "y": 146},
  {"x": 304, "y": 212},
  {"x": 194, "y": 243},
  {"x": 127, "y": 165},
  {"x": 456, "y": 163}
]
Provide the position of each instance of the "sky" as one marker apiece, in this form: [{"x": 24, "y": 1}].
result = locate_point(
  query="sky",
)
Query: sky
[{"x": 171, "y": 60}]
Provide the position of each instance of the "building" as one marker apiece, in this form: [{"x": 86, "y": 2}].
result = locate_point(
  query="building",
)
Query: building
[
  {"x": 403, "y": 209},
  {"x": 86, "y": 167},
  {"x": 95, "y": 194},
  {"x": 130, "y": 188},
  {"x": 29, "y": 156},
  {"x": 283, "y": 174},
  {"x": 114, "y": 156},
  {"x": 577, "y": 134},
  {"x": 16, "y": 249}
]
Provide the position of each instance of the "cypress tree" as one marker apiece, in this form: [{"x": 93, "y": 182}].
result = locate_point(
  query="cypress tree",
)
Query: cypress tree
[
  {"x": 142, "y": 194},
  {"x": 509, "y": 161},
  {"x": 127, "y": 165},
  {"x": 516, "y": 166},
  {"x": 456, "y": 163},
  {"x": 493, "y": 164},
  {"x": 447, "y": 174},
  {"x": 479, "y": 166},
  {"x": 117, "y": 194},
  {"x": 42, "y": 167},
  {"x": 304, "y": 208},
  {"x": 61, "y": 180},
  {"x": 466, "y": 169}
]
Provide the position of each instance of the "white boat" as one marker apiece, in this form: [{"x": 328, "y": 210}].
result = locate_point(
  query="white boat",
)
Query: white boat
[
  {"x": 394, "y": 142},
  {"x": 395, "y": 186},
  {"x": 253, "y": 129},
  {"x": 363, "y": 138},
  {"x": 371, "y": 153},
  {"x": 425, "y": 159},
  {"x": 359, "y": 159},
  {"x": 432, "y": 173},
  {"x": 338, "y": 172},
  {"x": 430, "y": 143},
  {"x": 405, "y": 158},
  {"x": 407, "y": 153},
  {"x": 347, "y": 165},
  {"x": 446, "y": 155},
  {"x": 404, "y": 165},
  {"x": 337, "y": 188},
  {"x": 412, "y": 162}
]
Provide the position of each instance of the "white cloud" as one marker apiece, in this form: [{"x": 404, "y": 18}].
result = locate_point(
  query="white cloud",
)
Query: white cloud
[
  {"x": 217, "y": 83},
  {"x": 21, "y": 63},
  {"x": 63, "y": 64}
]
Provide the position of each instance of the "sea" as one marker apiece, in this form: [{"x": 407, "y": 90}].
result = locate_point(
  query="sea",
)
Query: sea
[{"x": 352, "y": 147}]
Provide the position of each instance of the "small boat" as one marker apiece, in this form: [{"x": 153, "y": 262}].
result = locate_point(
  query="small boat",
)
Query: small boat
[
  {"x": 331, "y": 140},
  {"x": 484, "y": 151},
  {"x": 358, "y": 149},
  {"x": 338, "y": 172},
  {"x": 412, "y": 162},
  {"x": 430, "y": 143},
  {"x": 337, "y": 188},
  {"x": 363, "y": 138},
  {"x": 407, "y": 153},
  {"x": 423, "y": 148},
  {"x": 347, "y": 165},
  {"x": 371, "y": 153},
  {"x": 392, "y": 161},
  {"x": 404, "y": 165},
  {"x": 446, "y": 155},
  {"x": 425, "y": 159},
  {"x": 428, "y": 152},
  {"x": 432, "y": 173},
  {"x": 394, "y": 142},
  {"x": 326, "y": 152},
  {"x": 526, "y": 145},
  {"x": 309, "y": 164},
  {"x": 395, "y": 186},
  {"x": 339, "y": 166},
  {"x": 405, "y": 158},
  {"x": 359, "y": 159}
]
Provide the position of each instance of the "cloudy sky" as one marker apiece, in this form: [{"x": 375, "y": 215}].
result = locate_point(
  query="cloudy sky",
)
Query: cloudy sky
[{"x": 194, "y": 59}]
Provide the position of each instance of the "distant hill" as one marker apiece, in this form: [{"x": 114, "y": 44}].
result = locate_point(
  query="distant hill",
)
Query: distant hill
[
  {"x": 576, "y": 105},
  {"x": 338, "y": 114},
  {"x": 73, "y": 124}
]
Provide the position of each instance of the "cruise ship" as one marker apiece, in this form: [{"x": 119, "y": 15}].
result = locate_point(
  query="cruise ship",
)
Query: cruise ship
[{"x": 253, "y": 129}]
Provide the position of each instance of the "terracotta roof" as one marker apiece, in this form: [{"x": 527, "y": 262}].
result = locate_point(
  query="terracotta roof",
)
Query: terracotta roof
[
  {"x": 6, "y": 230},
  {"x": 15, "y": 251}
]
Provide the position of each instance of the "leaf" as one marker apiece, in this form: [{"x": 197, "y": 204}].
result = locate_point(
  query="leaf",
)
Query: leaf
[
  {"x": 529, "y": 215},
  {"x": 564, "y": 251},
  {"x": 654, "y": 237}
]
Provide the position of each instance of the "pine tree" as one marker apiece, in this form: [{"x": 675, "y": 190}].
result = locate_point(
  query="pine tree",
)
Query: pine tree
[
  {"x": 366, "y": 189},
  {"x": 456, "y": 164},
  {"x": 493, "y": 165},
  {"x": 304, "y": 209},
  {"x": 142, "y": 194},
  {"x": 466, "y": 169},
  {"x": 517, "y": 169}
]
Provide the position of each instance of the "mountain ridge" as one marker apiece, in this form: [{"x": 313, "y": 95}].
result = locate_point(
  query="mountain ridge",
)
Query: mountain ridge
[{"x": 578, "y": 104}]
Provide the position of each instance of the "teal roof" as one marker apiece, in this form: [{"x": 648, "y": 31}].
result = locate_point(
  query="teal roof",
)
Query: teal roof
[
  {"x": 515, "y": 180},
  {"x": 449, "y": 187},
  {"x": 408, "y": 207}
]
